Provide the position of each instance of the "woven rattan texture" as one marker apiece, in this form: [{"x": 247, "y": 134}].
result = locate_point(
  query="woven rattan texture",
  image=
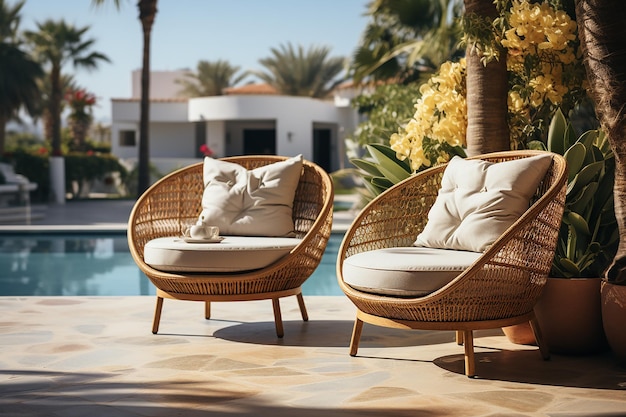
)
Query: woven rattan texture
[
  {"x": 174, "y": 203},
  {"x": 504, "y": 282}
]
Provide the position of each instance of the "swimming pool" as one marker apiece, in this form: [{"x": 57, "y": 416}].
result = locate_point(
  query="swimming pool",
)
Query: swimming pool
[{"x": 101, "y": 265}]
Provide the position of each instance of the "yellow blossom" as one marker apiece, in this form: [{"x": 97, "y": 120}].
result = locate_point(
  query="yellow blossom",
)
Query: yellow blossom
[
  {"x": 540, "y": 49},
  {"x": 440, "y": 118}
]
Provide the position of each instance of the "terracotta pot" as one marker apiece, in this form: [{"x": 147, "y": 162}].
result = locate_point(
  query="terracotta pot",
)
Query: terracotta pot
[
  {"x": 520, "y": 334},
  {"x": 570, "y": 316},
  {"x": 613, "y": 298}
]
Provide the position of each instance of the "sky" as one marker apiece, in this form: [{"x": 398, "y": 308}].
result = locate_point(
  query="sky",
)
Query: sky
[{"x": 186, "y": 31}]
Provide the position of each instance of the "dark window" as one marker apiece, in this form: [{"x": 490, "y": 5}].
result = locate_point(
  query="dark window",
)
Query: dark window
[
  {"x": 127, "y": 138},
  {"x": 259, "y": 142},
  {"x": 200, "y": 138},
  {"x": 322, "y": 148}
]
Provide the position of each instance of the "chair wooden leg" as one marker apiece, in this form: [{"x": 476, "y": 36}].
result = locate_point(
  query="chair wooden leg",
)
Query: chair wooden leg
[
  {"x": 157, "y": 315},
  {"x": 468, "y": 340},
  {"x": 541, "y": 342},
  {"x": 207, "y": 310},
  {"x": 305, "y": 315},
  {"x": 459, "y": 337},
  {"x": 278, "y": 320},
  {"x": 356, "y": 336}
]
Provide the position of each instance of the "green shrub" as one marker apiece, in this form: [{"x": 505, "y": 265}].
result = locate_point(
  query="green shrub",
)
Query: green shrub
[{"x": 78, "y": 167}]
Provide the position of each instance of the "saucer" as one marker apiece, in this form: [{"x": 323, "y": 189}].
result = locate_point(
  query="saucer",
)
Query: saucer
[{"x": 202, "y": 240}]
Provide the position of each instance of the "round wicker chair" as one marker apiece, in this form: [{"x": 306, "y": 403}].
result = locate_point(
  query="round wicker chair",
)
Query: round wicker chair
[
  {"x": 174, "y": 202},
  {"x": 500, "y": 289}
]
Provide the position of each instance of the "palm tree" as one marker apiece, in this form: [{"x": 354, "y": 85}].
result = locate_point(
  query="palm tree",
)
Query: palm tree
[
  {"x": 42, "y": 109},
  {"x": 487, "y": 88},
  {"x": 406, "y": 38},
  {"x": 210, "y": 79},
  {"x": 298, "y": 72},
  {"x": 603, "y": 37},
  {"x": 55, "y": 44},
  {"x": 18, "y": 71},
  {"x": 147, "y": 14}
]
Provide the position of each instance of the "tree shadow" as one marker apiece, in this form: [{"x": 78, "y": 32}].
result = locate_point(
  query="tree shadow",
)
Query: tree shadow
[{"x": 91, "y": 393}]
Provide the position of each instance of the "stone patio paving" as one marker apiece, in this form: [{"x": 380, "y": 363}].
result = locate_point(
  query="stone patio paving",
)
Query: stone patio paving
[{"x": 96, "y": 356}]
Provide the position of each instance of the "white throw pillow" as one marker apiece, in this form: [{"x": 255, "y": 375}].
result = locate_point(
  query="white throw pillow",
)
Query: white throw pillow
[
  {"x": 254, "y": 202},
  {"x": 479, "y": 200}
]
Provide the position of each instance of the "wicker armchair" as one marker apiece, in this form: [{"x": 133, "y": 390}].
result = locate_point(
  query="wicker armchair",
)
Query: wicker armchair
[
  {"x": 174, "y": 203},
  {"x": 500, "y": 289}
]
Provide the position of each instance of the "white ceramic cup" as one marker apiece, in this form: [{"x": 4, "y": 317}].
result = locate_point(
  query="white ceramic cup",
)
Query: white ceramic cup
[{"x": 203, "y": 232}]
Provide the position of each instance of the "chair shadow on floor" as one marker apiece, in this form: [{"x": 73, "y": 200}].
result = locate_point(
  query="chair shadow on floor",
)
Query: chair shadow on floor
[
  {"x": 598, "y": 371},
  {"x": 327, "y": 333},
  {"x": 512, "y": 365},
  {"x": 517, "y": 364}
]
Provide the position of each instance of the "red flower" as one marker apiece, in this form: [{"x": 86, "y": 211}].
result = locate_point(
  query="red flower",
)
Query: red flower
[
  {"x": 79, "y": 99},
  {"x": 206, "y": 151}
]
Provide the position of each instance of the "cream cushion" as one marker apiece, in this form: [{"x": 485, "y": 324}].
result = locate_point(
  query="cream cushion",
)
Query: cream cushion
[
  {"x": 255, "y": 202},
  {"x": 405, "y": 271},
  {"x": 479, "y": 200},
  {"x": 233, "y": 254}
]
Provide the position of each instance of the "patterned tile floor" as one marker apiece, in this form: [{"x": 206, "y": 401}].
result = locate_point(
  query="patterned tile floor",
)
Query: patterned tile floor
[{"x": 95, "y": 356}]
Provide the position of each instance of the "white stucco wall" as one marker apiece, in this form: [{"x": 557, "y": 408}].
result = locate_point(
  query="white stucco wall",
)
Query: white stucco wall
[
  {"x": 171, "y": 135},
  {"x": 162, "y": 83},
  {"x": 259, "y": 107},
  {"x": 123, "y": 111},
  {"x": 172, "y": 140},
  {"x": 215, "y": 137},
  {"x": 167, "y": 140},
  {"x": 160, "y": 111}
]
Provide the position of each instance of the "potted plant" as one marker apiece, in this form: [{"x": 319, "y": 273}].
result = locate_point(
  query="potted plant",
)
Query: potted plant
[
  {"x": 569, "y": 311},
  {"x": 613, "y": 300}
]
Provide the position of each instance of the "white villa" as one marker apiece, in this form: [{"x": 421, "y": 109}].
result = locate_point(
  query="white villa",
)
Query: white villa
[{"x": 252, "y": 119}]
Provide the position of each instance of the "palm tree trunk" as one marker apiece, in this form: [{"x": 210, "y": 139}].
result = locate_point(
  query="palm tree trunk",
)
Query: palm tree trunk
[
  {"x": 3, "y": 133},
  {"x": 56, "y": 95},
  {"x": 147, "y": 13},
  {"x": 602, "y": 32},
  {"x": 47, "y": 124},
  {"x": 487, "y": 88}
]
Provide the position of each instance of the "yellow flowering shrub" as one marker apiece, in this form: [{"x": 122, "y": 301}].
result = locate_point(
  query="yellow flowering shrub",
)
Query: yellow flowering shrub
[
  {"x": 545, "y": 72},
  {"x": 544, "y": 64},
  {"x": 439, "y": 122}
]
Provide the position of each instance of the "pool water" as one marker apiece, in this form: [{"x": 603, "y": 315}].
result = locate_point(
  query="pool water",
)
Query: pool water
[{"x": 80, "y": 264}]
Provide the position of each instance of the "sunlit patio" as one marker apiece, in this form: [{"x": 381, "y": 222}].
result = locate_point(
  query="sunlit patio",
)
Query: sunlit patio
[{"x": 76, "y": 356}]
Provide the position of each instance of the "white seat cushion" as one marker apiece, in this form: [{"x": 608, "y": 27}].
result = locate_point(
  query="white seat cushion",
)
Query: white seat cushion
[
  {"x": 233, "y": 254},
  {"x": 405, "y": 271}
]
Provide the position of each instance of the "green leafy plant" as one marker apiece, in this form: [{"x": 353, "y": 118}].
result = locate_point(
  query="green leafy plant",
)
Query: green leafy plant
[
  {"x": 382, "y": 169},
  {"x": 385, "y": 108},
  {"x": 89, "y": 166},
  {"x": 589, "y": 235}
]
